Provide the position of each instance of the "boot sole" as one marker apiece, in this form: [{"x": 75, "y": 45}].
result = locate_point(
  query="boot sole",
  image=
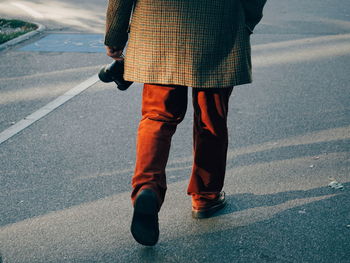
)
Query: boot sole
[{"x": 144, "y": 225}]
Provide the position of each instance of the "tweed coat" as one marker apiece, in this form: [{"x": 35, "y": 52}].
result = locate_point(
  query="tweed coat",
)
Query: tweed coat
[{"x": 196, "y": 43}]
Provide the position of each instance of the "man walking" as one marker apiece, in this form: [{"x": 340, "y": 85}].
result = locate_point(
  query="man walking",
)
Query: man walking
[{"x": 173, "y": 45}]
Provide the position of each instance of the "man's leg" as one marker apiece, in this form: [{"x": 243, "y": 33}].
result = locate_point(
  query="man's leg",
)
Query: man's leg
[
  {"x": 163, "y": 107},
  {"x": 210, "y": 141}
]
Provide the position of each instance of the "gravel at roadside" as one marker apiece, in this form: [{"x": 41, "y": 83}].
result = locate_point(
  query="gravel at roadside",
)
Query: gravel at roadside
[
  {"x": 13, "y": 31},
  {"x": 10, "y": 29}
]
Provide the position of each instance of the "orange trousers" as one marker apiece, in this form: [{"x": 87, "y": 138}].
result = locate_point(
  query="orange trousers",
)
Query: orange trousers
[{"x": 163, "y": 108}]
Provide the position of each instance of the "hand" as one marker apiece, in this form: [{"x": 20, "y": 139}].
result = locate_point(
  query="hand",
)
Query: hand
[{"x": 114, "y": 53}]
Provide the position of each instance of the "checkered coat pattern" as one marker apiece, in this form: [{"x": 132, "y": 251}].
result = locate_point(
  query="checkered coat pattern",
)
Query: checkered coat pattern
[{"x": 196, "y": 43}]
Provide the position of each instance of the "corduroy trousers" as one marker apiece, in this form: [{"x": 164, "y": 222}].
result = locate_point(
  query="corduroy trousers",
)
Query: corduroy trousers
[{"x": 163, "y": 108}]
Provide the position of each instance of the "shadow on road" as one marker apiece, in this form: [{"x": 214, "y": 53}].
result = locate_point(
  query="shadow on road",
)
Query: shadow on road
[
  {"x": 240, "y": 202},
  {"x": 315, "y": 231}
]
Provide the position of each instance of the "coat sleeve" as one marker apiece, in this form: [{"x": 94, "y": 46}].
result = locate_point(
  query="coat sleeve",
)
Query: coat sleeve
[
  {"x": 117, "y": 22},
  {"x": 253, "y": 10}
]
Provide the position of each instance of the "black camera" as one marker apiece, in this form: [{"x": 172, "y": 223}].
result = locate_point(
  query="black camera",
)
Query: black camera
[{"x": 114, "y": 72}]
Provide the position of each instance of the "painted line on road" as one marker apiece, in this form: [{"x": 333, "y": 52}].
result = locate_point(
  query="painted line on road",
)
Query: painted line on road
[
  {"x": 28, "y": 10},
  {"x": 40, "y": 113}
]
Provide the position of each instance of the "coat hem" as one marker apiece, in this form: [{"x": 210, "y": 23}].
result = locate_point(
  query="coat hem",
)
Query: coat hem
[{"x": 195, "y": 85}]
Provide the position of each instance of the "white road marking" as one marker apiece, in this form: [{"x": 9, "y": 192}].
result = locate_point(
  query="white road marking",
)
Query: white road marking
[
  {"x": 28, "y": 10},
  {"x": 37, "y": 115}
]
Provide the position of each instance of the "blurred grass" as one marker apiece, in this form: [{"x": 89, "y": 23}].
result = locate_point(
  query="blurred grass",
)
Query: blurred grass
[{"x": 10, "y": 29}]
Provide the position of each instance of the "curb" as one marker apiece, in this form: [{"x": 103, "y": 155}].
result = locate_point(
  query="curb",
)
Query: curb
[{"x": 24, "y": 37}]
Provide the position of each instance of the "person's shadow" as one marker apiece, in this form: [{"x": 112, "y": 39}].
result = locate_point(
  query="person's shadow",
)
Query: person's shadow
[
  {"x": 240, "y": 202},
  {"x": 295, "y": 225}
]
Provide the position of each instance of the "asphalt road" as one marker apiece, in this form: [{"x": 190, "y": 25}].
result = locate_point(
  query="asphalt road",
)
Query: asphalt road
[{"x": 65, "y": 180}]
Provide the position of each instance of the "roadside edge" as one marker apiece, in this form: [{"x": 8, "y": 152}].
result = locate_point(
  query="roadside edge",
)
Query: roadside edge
[{"x": 24, "y": 37}]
